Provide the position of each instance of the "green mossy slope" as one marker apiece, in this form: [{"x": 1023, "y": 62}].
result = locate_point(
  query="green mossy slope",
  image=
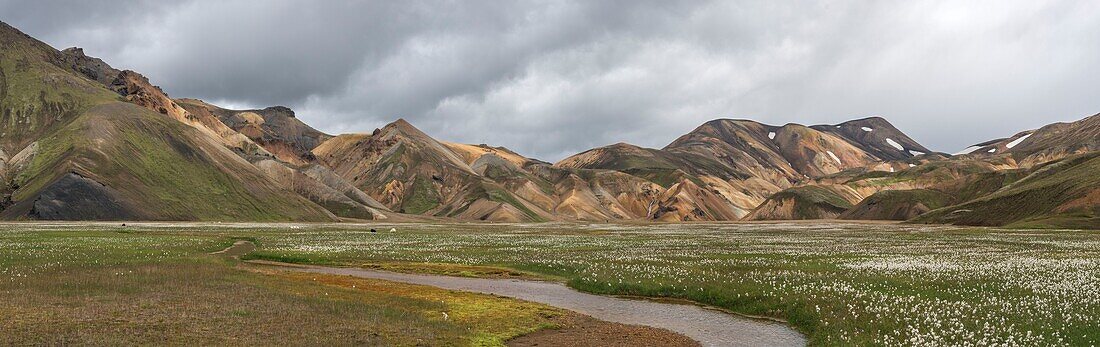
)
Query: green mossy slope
[
  {"x": 897, "y": 204},
  {"x": 1061, "y": 194},
  {"x": 146, "y": 164}
]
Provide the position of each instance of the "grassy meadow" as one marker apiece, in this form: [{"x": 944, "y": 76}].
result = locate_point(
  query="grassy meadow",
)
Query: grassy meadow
[
  {"x": 840, "y": 284},
  {"x": 101, "y": 285}
]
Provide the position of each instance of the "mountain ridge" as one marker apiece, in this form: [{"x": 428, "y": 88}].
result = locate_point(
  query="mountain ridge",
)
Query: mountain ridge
[{"x": 80, "y": 139}]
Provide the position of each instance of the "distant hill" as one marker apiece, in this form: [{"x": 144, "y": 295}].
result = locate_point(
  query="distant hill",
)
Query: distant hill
[
  {"x": 1051, "y": 142},
  {"x": 1059, "y": 194},
  {"x": 410, "y": 172},
  {"x": 738, "y": 164}
]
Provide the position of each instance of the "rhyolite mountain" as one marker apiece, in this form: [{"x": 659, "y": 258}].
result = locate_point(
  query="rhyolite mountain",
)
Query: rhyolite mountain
[
  {"x": 82, "y": 140},
  {"x": 412, "y": 173},
  {"x": 275, "y": 128},
  {"x": 1039, "y": 178},
  {"x": 81, "y": 150},
  {"x": 736, "y": 165},
  {"x": 1049, "y": 143}
]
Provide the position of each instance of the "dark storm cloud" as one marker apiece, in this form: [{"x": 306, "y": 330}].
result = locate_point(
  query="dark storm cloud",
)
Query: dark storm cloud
[{"x": 551, "y": 78}]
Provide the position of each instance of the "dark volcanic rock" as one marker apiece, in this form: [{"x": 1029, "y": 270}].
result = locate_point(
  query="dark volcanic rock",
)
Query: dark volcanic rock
[
  {"x": 75, "y": 197},
  {"x": 279, "y": 110},
  {"x": 3, "y": 85},
  {"x": 91, "y": 67}
]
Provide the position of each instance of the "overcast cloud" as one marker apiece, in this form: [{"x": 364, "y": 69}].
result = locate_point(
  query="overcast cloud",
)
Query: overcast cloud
[{"x": 552, "y": 78}]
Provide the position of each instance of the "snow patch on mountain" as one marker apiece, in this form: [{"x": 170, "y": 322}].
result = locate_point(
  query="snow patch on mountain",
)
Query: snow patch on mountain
[
  {"x": 894, "y": 144},
  {"x": 834, "y": 157},
  {"x": 771, "y": 135},
  {"x": 968, "y": 150},
  {"x": 867, "y": 129},
  {"x": 1017, "y": 141}
]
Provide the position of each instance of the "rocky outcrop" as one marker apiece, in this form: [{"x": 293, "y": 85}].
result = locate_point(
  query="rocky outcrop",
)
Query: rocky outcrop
[
  {"x": 275, "y": 129},
  {"x": 136, "y": 89},
  {"x": 91, "y": 67}
]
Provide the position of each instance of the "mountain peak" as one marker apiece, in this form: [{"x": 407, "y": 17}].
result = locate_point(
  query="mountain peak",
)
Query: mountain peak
[
  {"x": 75, "y": 51},
  {"x": 734, "y": 121},
  {"x": 871, "y": 118},
  {"x": 404, "y": 127},
  {"x": 873, "y": 121},
  {"x": 622, "y": 145},
  {"x": 401, "y": 125},
  {"x": 283, "y": 110},
  {"x": 93, "y": 68}
]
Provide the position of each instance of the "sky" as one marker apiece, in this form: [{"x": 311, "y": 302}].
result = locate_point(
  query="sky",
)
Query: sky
[{"x": 549, "y": 79}]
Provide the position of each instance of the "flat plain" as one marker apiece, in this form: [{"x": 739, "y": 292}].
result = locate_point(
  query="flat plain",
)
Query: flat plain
[{"x": 838, "y": 283}]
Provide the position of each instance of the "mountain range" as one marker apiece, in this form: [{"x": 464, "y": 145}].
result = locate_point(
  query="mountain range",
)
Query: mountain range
[{"x": 81, "y": 140}]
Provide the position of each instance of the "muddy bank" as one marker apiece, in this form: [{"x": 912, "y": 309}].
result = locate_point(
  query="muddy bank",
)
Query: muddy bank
[{"x": 576, "y": 330}]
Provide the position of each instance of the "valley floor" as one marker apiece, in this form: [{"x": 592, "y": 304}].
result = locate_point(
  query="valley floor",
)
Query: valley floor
[{"x": 839, "y": 284}]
